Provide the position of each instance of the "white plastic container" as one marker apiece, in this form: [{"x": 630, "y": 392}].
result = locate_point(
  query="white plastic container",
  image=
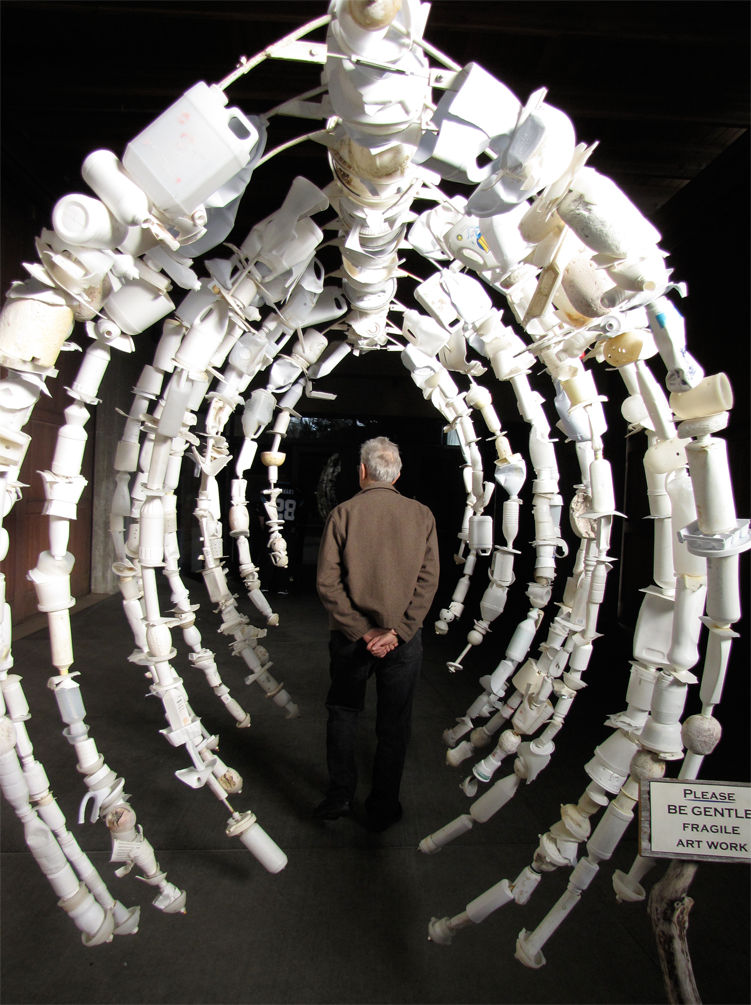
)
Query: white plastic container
[
  {"x": 190, "y": 150},
  {"x": 34, "y": 329},
  {"x": 604, "y": 218},
  {"x": 103, "y": 173},
  {"x": 481, "y": 534},
  {"x": 136, "y": 306},
  {"x": 81, "y": 220},
  {"x": 712, "y": 395},
  {"x": 257, "y": 841}
]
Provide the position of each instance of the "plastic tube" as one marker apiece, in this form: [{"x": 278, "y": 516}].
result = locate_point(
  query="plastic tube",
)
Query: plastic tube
[
  {"x": 710, "y": 474},
  {"x": 257, "y": 841},
  {"x": 434, "y": 842}
]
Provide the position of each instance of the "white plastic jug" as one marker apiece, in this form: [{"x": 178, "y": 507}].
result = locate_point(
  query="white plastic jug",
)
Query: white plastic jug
[{"x": 192, "y": 149}]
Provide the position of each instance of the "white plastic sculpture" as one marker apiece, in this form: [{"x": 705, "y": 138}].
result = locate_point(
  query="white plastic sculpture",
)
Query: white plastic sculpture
[{"x": 539, "y": 234}]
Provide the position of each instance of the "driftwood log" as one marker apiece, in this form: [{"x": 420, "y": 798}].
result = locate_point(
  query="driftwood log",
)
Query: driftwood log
[{"x": 669, "y": 908}]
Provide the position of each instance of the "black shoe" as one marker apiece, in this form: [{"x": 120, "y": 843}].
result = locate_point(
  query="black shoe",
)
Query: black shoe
[
  {"x": 382, "y": 821},
  {"x": 332, "y": 809}
]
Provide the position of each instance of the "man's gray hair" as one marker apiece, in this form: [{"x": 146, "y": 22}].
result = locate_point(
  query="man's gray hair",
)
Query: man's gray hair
[{"x": 381, "y": 459}]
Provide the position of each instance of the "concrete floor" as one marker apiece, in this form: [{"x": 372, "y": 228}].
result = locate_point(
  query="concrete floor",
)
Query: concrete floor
[{"x": 347, "y": 920}]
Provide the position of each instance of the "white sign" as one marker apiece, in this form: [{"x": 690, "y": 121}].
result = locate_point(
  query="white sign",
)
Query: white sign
[{"x": 695, "y": 820}]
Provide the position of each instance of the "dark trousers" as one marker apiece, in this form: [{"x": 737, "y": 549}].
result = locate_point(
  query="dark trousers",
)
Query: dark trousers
[{"x": 396, "y": 676}]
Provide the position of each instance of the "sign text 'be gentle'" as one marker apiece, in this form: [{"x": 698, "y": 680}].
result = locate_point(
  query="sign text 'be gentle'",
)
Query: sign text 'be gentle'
[{"x": 696, "y": 820}]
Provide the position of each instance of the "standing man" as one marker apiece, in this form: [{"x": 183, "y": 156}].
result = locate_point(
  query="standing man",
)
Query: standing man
[{"x": 377, "y": 576}]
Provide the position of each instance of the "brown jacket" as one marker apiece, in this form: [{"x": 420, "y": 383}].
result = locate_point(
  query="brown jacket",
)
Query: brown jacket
[{"x": 378, "y": 563}]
